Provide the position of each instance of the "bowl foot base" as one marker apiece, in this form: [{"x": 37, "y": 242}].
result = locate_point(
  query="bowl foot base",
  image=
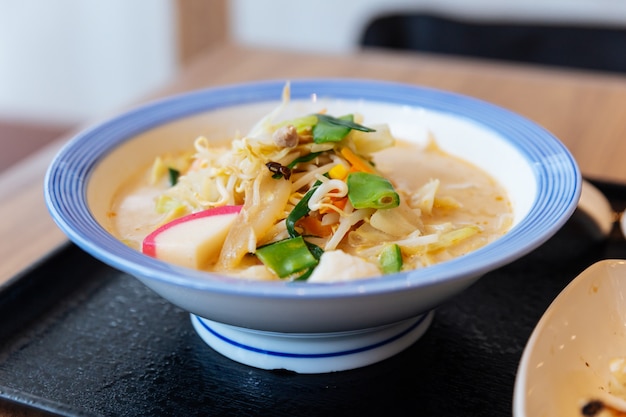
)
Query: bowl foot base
[{"x": 311, "y": 353}]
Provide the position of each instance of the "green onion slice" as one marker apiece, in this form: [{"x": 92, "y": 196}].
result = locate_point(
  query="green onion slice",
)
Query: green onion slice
[{"x": 173, "y": 174}]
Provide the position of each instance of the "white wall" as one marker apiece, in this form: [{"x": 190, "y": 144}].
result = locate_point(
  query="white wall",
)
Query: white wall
[{"x": 71, "y": 60}]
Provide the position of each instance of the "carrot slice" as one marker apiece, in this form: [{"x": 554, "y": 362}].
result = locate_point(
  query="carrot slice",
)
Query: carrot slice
[
  {"x": 357, "y": 162},
  {"x": 313, "y": 226},
  {"x": 340, "y": 203}
]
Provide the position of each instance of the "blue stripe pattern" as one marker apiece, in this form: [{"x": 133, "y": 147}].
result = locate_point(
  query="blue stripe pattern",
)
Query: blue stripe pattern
[{"x": 365, "y": 348}]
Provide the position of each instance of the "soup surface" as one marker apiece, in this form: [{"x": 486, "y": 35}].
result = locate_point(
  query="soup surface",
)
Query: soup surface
[{"x": 319, "y": 198}]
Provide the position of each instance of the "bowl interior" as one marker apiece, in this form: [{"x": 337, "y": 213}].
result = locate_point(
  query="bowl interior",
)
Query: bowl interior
[
  {"x": 566, "y": 361},
  {"x": 539, "y": 174},
  {"x": 459, "y": 136}
]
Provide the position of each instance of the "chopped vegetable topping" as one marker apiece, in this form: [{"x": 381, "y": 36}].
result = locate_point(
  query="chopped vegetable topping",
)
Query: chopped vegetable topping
[
  {"x": 174, "y": 174},
  {"x": 287, "y": 257},
  {"x": 338, "y": 172},
  {"x": 357, "y": 163},
  {"x": 305, "y": 158},
  {"x": 299, "y": 211},
  {"x": 332, "y": 129},
  {"x": 367, "y": 190},
  {"x": 323, "y": 202},
  {"x": 390, "y": 259}
]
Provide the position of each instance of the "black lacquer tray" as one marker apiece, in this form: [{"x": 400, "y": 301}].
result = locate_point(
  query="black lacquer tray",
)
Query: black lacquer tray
[{"x": 79, "y": 338}]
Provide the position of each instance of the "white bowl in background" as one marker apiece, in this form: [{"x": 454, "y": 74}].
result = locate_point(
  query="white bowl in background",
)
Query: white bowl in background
[{"x": 566, "y": 362}]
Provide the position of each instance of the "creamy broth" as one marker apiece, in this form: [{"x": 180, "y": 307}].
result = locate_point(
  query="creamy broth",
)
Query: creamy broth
[
  {"x": 466, "y": 195},
  {"x": 483, "y": 201}
]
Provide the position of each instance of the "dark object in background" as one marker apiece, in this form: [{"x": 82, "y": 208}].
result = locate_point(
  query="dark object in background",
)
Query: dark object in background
[{"x": 585, "y": 47}]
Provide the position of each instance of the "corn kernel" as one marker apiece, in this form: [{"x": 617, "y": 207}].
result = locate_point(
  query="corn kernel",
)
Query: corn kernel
[{"x": 338, "y": 172}]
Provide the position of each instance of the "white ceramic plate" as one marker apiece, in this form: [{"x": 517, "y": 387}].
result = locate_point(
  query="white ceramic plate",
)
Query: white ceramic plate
[{"x": 565, "y": 364}]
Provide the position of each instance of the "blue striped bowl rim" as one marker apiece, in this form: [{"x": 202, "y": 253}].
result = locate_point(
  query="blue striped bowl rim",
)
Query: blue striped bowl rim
[{"x": 558, "y": 182}]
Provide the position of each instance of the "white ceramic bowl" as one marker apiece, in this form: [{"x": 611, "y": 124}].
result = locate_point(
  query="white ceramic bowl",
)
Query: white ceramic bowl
[
  {"x": 538, "y": 172},
  {"x": 565, "y": 364}
]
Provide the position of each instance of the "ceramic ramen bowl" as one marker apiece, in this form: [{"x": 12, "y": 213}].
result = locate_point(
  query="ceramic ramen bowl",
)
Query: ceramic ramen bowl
[
  {"x": 567, "y": 363},
  {"x": 299, "y": 326}
]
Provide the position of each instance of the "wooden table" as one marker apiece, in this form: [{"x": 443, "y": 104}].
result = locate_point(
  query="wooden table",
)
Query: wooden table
[{"x": 587, "y": 111}]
